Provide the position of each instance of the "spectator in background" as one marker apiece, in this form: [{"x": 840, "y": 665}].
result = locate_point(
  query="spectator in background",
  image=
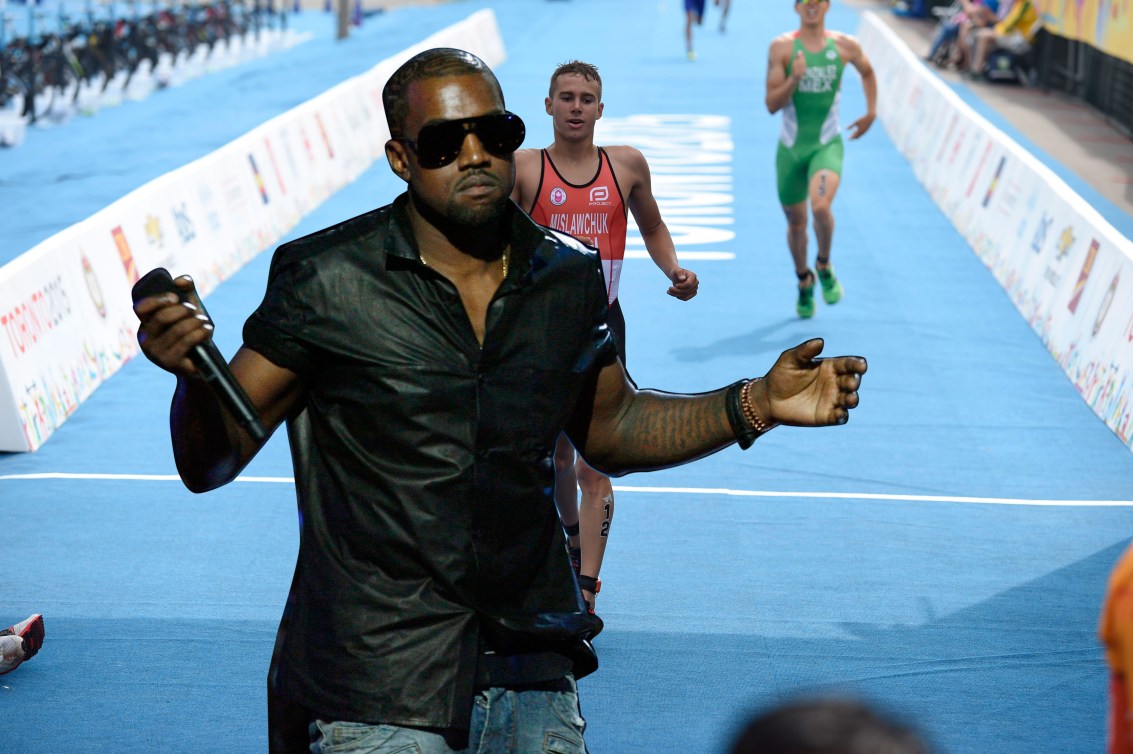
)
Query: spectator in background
[
  {"x": 975, "y": 18},
  {"x": 20, "y": 642},
  {"x": 1015, "y": 32},
  {"x": 826, "y": 726},
  {"x": 969, "y": 13},
  {"x": 1116, "y": 633}
]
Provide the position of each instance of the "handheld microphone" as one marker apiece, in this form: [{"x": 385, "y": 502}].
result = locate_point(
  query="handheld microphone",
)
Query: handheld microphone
[{"x": 207, "y": 358}]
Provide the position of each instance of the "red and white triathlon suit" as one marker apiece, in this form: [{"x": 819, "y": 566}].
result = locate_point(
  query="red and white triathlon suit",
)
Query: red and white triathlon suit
[{"x": 595, "y": 214}]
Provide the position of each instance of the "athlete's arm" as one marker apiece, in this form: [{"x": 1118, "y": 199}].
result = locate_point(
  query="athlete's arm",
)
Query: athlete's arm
[
  {"x": 631, "y": 167},
  {"x": 857, "y": 58},
  {"x": 623, "y": 429},
  {"x": 780, "y": 86},
  {"x": 527, "y": 163},
  {"x": 209, "y": 445}
]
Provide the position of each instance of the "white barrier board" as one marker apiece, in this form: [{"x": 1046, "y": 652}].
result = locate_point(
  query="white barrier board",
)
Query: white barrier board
[
  {"x": 1068, "y": 271},
  {"x": 66, "y": 317}
]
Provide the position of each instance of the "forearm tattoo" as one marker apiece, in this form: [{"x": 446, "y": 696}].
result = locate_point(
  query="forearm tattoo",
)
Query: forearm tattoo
[{"x": 668, "y": 428}]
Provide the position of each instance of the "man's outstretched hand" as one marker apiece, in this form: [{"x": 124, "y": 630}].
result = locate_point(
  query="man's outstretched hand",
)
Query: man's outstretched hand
[{"x": 803, "y": 390}]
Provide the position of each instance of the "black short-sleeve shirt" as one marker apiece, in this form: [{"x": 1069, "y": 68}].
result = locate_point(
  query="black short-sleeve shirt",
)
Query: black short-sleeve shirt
[{"x": 424, "y": 462}]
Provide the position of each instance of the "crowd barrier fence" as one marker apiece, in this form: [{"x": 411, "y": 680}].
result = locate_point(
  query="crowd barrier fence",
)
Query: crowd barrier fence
[{"x": 1066, "y": 269}]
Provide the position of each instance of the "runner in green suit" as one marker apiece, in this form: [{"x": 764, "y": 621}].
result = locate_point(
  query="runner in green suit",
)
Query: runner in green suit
[{"x": 804, "y": 79}]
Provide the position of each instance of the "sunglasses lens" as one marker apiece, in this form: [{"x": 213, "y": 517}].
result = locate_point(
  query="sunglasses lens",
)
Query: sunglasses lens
[
  {"x": 439, "y": 144},
  {"x": 501, "y": 134}
]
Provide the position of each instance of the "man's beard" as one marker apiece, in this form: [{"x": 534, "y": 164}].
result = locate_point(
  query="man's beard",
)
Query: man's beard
[
  {"x": 481, "y": 216},
  {"x": 476, "y": 219},
  {"x": 476, "y": 229}
]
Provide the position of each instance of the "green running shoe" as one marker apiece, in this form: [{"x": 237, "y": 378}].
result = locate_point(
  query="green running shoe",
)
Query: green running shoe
[
  {"x": 805, "y": 305},
  {"x": 831, "y": 288}
]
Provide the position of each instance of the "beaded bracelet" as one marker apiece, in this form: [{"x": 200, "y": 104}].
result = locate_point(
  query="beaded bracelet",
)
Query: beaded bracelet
[{"x": 750, "y": 414}]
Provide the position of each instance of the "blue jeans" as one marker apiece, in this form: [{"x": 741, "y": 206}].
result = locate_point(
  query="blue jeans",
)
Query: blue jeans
[
  {"x": 947, "y": 33},
  {"x": 504, "y": 721}
]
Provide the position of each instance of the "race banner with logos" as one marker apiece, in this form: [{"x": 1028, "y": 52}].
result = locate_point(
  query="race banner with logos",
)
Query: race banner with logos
[
  {"x": 66, "y": 317},
  {"x": 1105, "y": 24},
  {"x": 1068, "y": 271}
]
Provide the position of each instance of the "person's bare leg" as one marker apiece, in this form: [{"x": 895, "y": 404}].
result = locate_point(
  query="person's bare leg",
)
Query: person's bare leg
[
  {"x": 725, "y": 6},
  {"x": 797, "y": 243},
  {"x": 689, "y": 19},
  {"x": 797, "y": 236},
  {"x": 959, "y": 58},
  {"x": 984, "y": 40},
  {"x": 566, "y": 488},
  {"x": 595, "y": 516},
  {"x": 823, "y": 187}
]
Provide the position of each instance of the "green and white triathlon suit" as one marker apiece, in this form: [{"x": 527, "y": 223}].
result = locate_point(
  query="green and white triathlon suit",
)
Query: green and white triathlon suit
[{"x": 810, "y": 139}]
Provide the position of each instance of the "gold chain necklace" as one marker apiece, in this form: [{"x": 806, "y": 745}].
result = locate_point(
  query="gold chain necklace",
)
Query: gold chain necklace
[{"x": 503, "y": 261}]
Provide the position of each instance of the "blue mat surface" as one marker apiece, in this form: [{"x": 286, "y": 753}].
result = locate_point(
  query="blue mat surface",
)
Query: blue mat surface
[{"x": 905, "y": 557}]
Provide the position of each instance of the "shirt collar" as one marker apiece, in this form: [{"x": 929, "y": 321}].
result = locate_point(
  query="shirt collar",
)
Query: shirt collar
[{"x": 526, "y": 236}]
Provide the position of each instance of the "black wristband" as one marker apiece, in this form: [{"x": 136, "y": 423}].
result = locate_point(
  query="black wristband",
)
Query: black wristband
[
  {"x": 572, "y": 530},
  {"x": 745, "y": 434},
  {"x": 588, "y": 584}
]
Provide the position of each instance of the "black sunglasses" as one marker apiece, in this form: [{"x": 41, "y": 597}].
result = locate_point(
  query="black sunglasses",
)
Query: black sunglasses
[{"x": 439, "y": 144}]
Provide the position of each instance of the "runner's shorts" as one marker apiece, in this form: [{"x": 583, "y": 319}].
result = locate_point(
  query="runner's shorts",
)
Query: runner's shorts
[{"x": 797, "y": 165}]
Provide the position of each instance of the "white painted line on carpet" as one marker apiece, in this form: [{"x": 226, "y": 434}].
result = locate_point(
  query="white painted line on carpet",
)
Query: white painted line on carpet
[
  {"x": 656, "y": 490},
  {"x": 881, "y": 496}
]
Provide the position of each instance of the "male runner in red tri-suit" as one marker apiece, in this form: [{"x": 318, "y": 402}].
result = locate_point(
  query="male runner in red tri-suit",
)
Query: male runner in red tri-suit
[{"x": 582, "y": 189}]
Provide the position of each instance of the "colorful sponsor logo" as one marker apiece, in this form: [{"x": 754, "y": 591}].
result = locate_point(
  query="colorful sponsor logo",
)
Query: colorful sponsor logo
[
  {"x": 33, "y": 318},
  {"x": 154, "y": 237},
  {"x": 307, "y": 144},
  {"x": 1039, "y": 240},
  {"x": 1104, "y": 308},
  {"x": 259, "y": 179},
  {"x": 1052, "y": 276},
  {"x": 184, "y": 224},
  {"x": 1065, "y": 242},
  {"x": 1083, "y": 276},
  {"x": 558, "y": 196},
  {"x": 323, "y": 131},
  {"x": 206, "y": 197},
  {"x": 275, "y": 167},
  {"x": 994, "y": 181},
  {"x": 93, "y": 287},
  {"x": 956, "y": 148},
  {"x": 979, "y": 169},
  {"x": 125, "y": 255}
]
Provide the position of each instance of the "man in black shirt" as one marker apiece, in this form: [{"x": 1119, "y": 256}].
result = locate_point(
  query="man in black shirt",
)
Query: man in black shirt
[{"x": 425, "y": 356}]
